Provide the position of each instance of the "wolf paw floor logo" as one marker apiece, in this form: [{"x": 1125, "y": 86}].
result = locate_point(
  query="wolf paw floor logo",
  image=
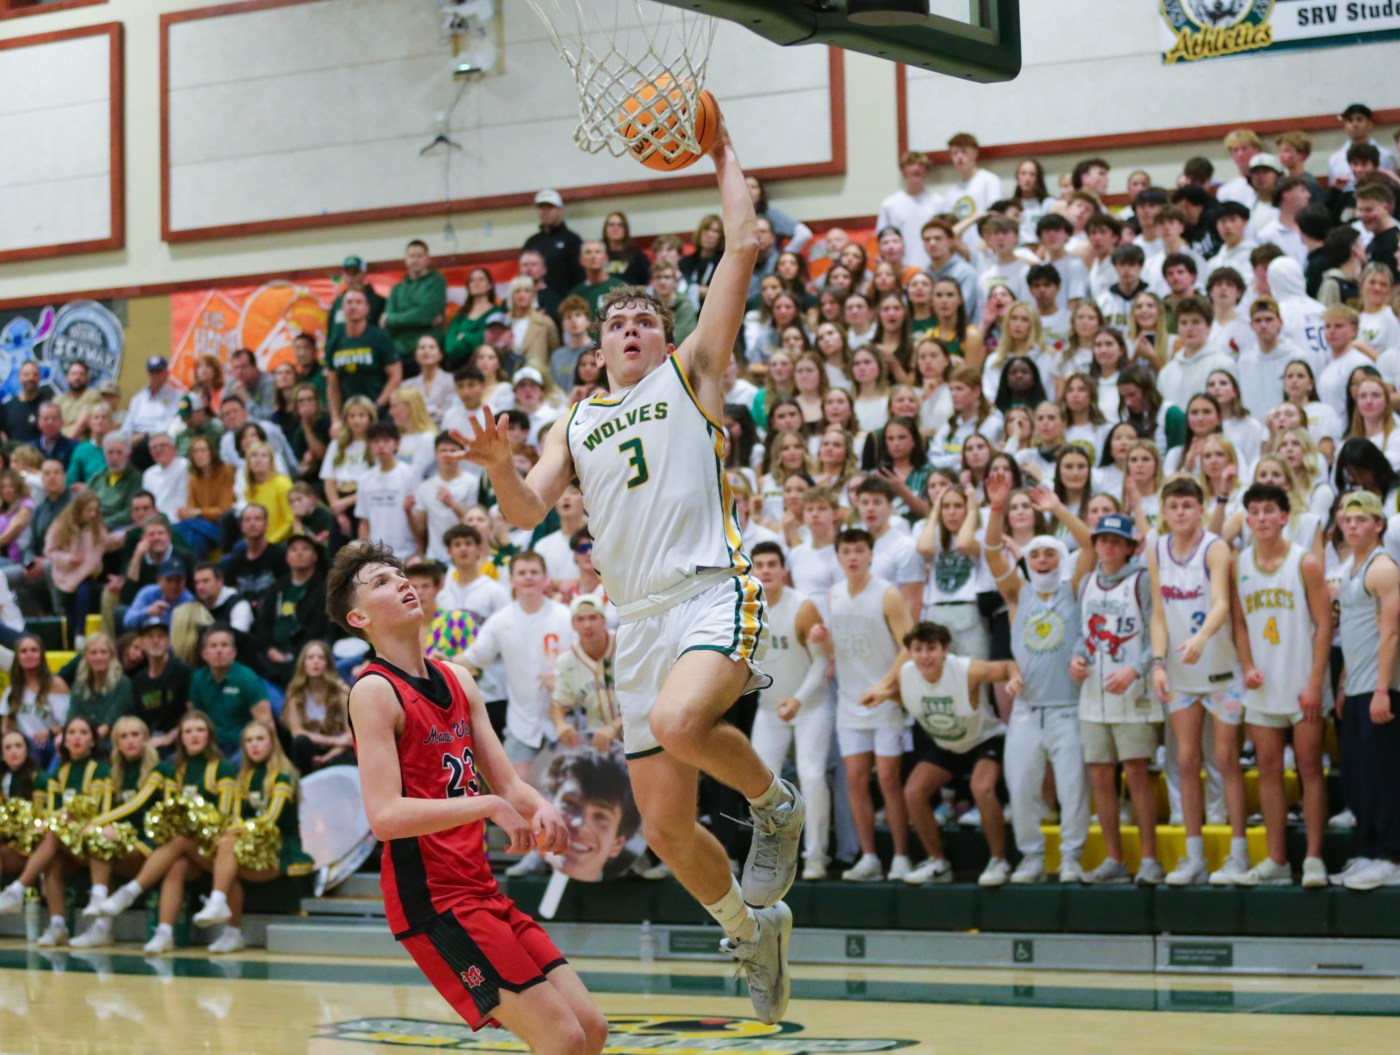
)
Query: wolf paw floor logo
[
  {"x": 628, "y": 1035},
  {"x": 1212, "y": 29}
]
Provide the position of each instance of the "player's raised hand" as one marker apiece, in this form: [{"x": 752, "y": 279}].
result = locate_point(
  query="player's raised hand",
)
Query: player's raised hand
[
  {"x": 488, "y": 445},
  {"x": 508, "y": 819},
  {"x": 551, "y": 834}
]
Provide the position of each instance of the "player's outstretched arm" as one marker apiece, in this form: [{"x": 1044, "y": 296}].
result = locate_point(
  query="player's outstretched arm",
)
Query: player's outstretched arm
[
  {"x": 542, "y": 826},
  {"x": 705, "y": 354},
  {"x": 376, "y": 714},
  {"x": 523, "y": 502}
]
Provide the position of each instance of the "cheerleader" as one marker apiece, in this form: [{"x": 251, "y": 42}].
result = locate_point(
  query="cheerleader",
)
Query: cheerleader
[
  {"x": 196, "y": 768},
  {"x": 135, "y": 786},
  {"x": 80, "y": 783},
  {"x": 266, "y": 793},
  {"x": 19, "y": 775}
]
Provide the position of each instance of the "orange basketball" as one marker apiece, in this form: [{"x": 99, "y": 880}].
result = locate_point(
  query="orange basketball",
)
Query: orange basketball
[{"x": 662, "y": 104}]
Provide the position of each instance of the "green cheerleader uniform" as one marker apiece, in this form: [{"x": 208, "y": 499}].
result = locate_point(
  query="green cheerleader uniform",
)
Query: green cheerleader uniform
[
  {"x": 281, "y": 808},
  {"x": 131, "y": 801}
]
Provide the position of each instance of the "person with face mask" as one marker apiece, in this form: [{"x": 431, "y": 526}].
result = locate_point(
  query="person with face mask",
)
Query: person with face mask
[{"x": 1044, "y": 725}]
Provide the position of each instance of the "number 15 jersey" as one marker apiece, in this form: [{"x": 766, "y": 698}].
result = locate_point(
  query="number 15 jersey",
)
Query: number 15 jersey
[{"x": 650, "y": 463}]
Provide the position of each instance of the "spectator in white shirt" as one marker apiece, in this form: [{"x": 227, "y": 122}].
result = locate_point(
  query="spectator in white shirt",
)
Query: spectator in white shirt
[
  {"x": 168, "y": 478},
  {"x": 1359, "y": 122},
  {"x": 152, "y": 409},
  {"x": 912, "y": 207},
  {"x": 384, "y": 497},
  {"x": 1243, "y": 145},
  {"x": 530, "y": 398},
  {"x": 976, "y": 188},
  {"x": 1340, "y": 327},
  {"x": 443, "y": 499}
]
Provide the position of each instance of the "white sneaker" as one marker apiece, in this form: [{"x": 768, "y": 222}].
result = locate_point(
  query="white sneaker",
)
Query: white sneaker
[
  {"x": 162, "y": 943},
  {"x": 1267, "y": 872},
  {"x": 1229, "y": 873},
  {"x": 1150, "y": 872},
  {"x": 867, "y": 870},
  {"x": 1375, "y": 875},
  {"x": 1345, "y": 819},
  {"x": 115, "y": 903},
  {"x": 1071, "y": 871},
  {"x": 213, "y": 913},
  {"x": 1188, "y": 873},
  {"x": 98, "y": 934},
  {"x": 972, "y": 818},
  {"x": 933, "y": 870},
  {"x": 814, "y": 870},
  {"x": 996, "y": 873},
  {"x": 1030, "y": 870},
  {"x": 1314, "y": 873},
  {"x": 11, "y": 898},
  {"x": 1109, "y": 871},
  {"x": 231, "y": 940},
  {"x": 55, "y": 934},
  {"x": 774, "y": 849},
  {"x": 764, "y": 962},
  {"x": 530, "y": 865},
  {"x": 900, "y": 867},
  {"x": 1352, "y": 867}
]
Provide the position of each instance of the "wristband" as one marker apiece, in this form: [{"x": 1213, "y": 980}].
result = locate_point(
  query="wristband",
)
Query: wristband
[{"x": 993, "y": 549}]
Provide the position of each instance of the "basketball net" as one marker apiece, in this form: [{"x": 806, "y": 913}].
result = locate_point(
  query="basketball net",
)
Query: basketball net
[{"x": 615, "y": 59}]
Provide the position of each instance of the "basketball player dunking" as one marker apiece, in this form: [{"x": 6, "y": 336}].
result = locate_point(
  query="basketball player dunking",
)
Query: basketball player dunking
[
  {"x": 424, "y": 742},
  {"x": 647, "y": 455}
]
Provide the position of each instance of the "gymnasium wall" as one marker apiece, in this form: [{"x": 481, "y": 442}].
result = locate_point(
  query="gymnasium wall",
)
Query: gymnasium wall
[{"x": 292, "y": 130}]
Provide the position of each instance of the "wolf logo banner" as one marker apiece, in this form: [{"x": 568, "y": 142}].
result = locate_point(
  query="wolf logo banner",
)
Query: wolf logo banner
[{"x": 1212, "y": 29}]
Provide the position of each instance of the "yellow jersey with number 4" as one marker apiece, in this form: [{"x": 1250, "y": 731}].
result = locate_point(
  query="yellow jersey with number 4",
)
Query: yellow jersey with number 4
[
  {"x": 650, "y": 464},
  {"x": 1280, "y": 629}
]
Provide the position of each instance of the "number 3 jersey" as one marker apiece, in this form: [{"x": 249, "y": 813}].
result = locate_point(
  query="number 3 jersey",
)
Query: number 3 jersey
[
  {"x": 424, "y": 876},
  {"x": 651, "y": 468}
]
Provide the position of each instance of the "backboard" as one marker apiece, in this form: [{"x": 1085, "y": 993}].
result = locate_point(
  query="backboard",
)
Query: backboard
[{"x": 979, "y": 40}]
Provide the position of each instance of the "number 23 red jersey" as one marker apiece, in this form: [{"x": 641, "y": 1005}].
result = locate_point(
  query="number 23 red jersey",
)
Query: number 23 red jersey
[{"x": 426, "y": 875}]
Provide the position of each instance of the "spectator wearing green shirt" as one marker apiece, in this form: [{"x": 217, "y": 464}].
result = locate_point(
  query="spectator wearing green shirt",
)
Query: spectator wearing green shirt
[
  {"x": 468, "y": 330},
  {"x": 117, "y": 484},
  {"x": 418, "y": 304},
  {"x": 362, "y": 359},
  {"x": 226, "y": 690},
  {"x": 88, "y": 458},
  {"x": 196, "y": 421},
  {"x": 308, "y": 356},
  {"x": 596, "y": 279},
  {"x": 352, "y": 276}
]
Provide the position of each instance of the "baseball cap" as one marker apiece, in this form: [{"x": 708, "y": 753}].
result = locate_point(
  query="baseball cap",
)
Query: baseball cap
[
  {"x": 527, "y": 373},
  {"x": 151, "y": 622},
  {"x": 1357, "y": 108},
  {"x": 1116, "y": 524},
  {"x": 190, "y": 402},
  {"x": 157, "y": 362},
  {"x": 1362, "y": 502},
  {"x": 300, "y": 537},
  {"x": 585, "y": 601},
  {"x": 353, "y": 263},
  {"x": 109, "y": 387},
  {"x": 170, "y": 566},
  {"x": 549, "y": 197},
  {"x": 1266, "y": 161}
]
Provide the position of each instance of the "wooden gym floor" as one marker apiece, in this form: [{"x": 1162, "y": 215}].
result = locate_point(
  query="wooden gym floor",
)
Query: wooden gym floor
[{"x": 255, "y": 1004}]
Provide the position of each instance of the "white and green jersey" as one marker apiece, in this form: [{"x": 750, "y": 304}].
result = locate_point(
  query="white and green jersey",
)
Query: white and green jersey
[
  {"x": 944, "y": 708},
  {"x": 650, "y": 464}
]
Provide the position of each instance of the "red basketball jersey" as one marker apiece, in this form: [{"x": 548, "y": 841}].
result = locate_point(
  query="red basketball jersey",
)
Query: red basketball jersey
[{"x": 426, "y": 875}]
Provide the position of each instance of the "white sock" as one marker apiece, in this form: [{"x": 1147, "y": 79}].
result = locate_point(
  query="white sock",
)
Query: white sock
[
  {"x": 230, "y": 931},
  {"x": 216, "y": 898},
  {"x": 99, "y": 893},
  {"x": 733, "y": 915},
  {"x": 900, "y": 857},
  {"x": 134, "y": 888},
  {"x": 1239, "y": 850},
  {"x": 164, "y": 928},
  {"x": 58, "y": 921},
  {"x": 772, "y": 796},
  {"x": 1196, "y": 847}
]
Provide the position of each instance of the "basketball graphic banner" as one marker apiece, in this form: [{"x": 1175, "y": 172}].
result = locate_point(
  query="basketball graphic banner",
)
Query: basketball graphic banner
[{"x": 1215, "y": 29}]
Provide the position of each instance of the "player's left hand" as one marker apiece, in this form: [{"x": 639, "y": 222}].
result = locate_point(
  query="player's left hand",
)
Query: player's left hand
[
  {"x": 1310, "y": 703},
  {"x": 1191, "y": 649},
  {"x": 1380, "y": 707},
  {"x": 1119, "y": 681},
  {"x": 551, "y": 833},
  {"x": 1254, "y": 678}
]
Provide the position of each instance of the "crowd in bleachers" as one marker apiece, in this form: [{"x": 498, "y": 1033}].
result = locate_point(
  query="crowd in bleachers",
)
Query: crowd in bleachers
[{"x": 916, "y": 406}]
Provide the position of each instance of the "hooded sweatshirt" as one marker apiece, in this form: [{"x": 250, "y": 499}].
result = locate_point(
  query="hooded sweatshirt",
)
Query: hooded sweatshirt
[{"x": 1302, "y": 315}]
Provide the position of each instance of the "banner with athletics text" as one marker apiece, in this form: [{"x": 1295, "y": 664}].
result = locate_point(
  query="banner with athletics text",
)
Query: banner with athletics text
[{"x": 1213, "y": 29}]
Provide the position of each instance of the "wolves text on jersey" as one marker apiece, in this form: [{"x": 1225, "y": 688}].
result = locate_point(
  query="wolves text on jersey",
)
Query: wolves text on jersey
[{"x": 609, "y": 429}]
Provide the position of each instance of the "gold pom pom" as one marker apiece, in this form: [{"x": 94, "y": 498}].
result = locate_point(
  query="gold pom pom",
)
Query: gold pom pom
[
  {"x": 188, "y": 815},
  {"x": 259, "y": 845},
  {"x": 21, "y": 824},
  {"x": 163, "y": 822},
  {"x": 67, "y": 822},
  {"x": 122, "y": 844}
]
